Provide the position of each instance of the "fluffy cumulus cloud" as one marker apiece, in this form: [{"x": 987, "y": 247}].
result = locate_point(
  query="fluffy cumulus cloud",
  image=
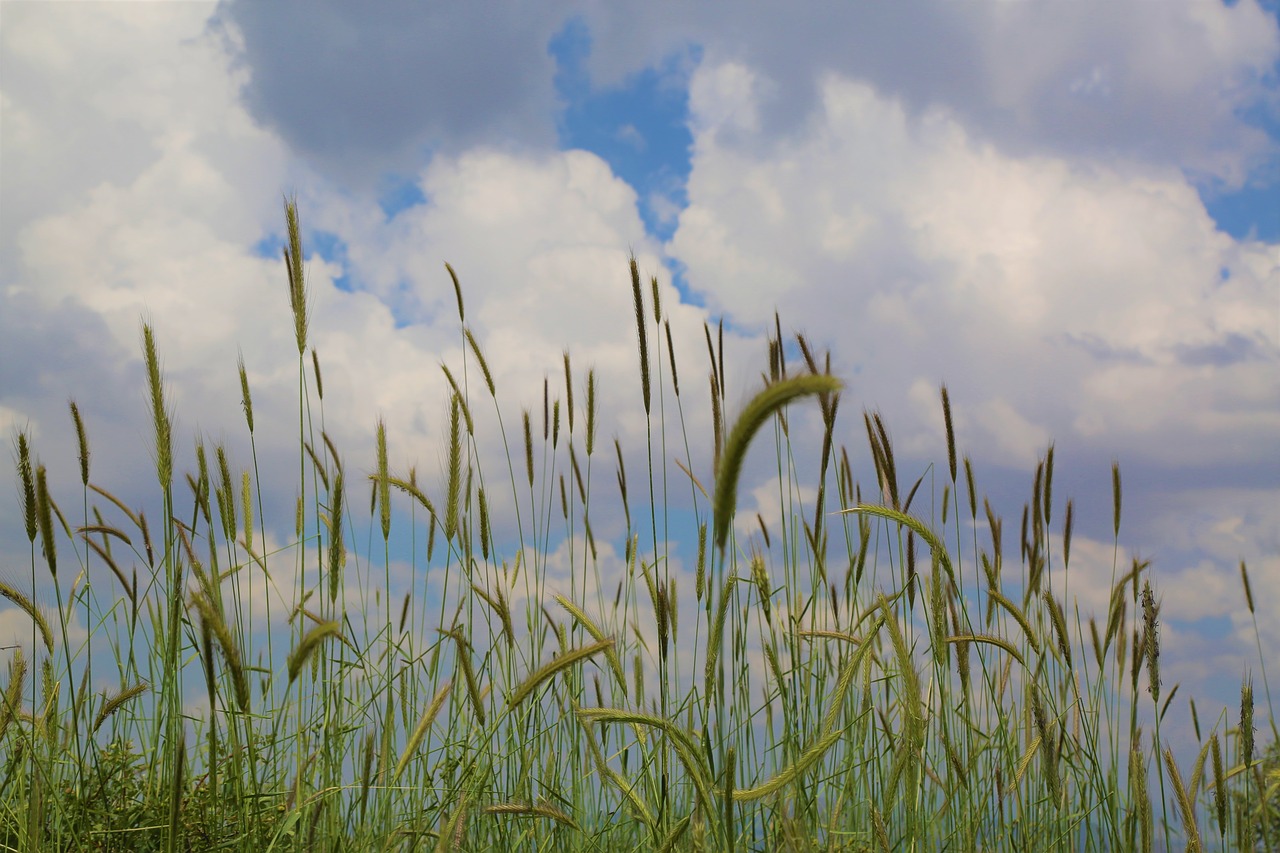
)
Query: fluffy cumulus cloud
[
  {"x": 364, "y": 92},
  {"x": 1099, "y": 300},
  {"x": 1161, "y": 84},
  {"x": 1007, "y": 200}
]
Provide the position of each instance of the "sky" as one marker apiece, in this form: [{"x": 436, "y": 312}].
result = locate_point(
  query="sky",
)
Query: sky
[{"x": 1067, "y": 212}]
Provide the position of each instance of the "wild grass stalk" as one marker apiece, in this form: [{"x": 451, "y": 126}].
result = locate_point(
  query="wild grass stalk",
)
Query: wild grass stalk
[{"x": 821, "y": 685}]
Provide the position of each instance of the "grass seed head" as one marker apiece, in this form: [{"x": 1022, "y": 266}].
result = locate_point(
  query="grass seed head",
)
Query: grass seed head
[
  {"x": 766, "y": 403},
  {"x": 1248, "y": 591},
  {"x": 1151, "y": 624},
  {"x": 640, "y": 332},
  {"x": 44, "y": 506},
  {"x": 82, "y": 443},
  {"x": 951, "y": 433},
  {"x": 26, "y": 474},
  {"x": 457, "y": 291},
  {"x": 1246, "y": 722},
  {"x": 293, "y": 261}
]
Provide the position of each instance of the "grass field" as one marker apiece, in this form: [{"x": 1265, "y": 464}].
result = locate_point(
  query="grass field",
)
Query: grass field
[{"x": 871, "y": 673}]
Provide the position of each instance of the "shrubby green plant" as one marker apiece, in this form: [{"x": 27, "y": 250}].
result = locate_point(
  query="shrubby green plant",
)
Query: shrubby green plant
[{"x": 867, "y": 674}]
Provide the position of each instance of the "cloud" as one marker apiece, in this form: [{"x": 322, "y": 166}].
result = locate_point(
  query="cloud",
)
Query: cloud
[
  {"x": 914, "y": 249},
  {"x": 1167, "y": 85},
  {"x": 364, "y": 93},
  {"x": 73, "y": 86}
]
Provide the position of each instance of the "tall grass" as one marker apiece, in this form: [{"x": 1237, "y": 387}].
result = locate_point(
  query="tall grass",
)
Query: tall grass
[{"x": 868, "y": 673}]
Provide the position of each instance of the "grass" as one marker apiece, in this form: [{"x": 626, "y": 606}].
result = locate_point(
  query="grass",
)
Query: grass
[{"x": 866, "y": 675}]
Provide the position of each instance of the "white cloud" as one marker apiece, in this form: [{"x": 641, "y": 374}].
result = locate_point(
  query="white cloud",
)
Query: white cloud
[
  {"x": 1167, "y": 84},
  {"x": 11, "y": 420},
  {"x": 1064, "y": 292}
]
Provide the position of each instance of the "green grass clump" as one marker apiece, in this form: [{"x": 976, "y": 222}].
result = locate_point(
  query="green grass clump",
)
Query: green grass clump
[{"x": 866, "y": 675}]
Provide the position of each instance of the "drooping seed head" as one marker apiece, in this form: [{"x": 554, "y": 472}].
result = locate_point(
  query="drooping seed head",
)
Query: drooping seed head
[{"x": 457, "y": 290}]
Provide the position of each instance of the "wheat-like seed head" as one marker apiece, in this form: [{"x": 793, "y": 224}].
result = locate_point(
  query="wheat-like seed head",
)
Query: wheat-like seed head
[
  {"x": 640, "y": 332},
  {"x": 468, "y": 673},
  {"x": 211, "y": 616},
  {"x": 484, "y": 523},
  {"x": 1138, "y": 791},
  {"x": 246, "y": 504},
  {"x": 760, "y": 578},
  {"x": 689, "y": 753},
  {"x": 671, "y": 357},
  {"x": 106, "y": 557},
  {"x": 938, "y": 615},
  {"x": 1246, "y": 722},
  {"x": 951, "y": 433},
  {"x": 383, "y": 484},
  {"x": 553, "y": 666},
  {"x": 82, "y": 443},
  {"x": 1248, "y": 592},
  {"x": 27, "y": 606},
  {"x": 297, "y": 280},
  {"x": 44, "y": 514},
  {"x": 420, "y": 730},
  {"x": 111, "y": 704},
  {"x": 1047, "y": 501},
  {"x": 591, "y": 411},
  {"x": 766, "y": 403},
  {"x": 716, "y": 637},
  {"x": 484, "y": 365},
  {"x": 457, "y": 291},
  {"x": 1186, "y": 807},
  {"x": 225, "y": 491},
  {"x": 577, "y": 475},
  {"x": 337, "y": 545},
  {"x": 1151, "y": 623},
  {"x": 315, "y": 370},
  {"x": 568, "y": 390},
  {"x": 26, "y": 473},
  {"x": 700, "y": 572},
  {"x": 455, "y": 469},
  {"x": 913, "y": 699},
  {"x": 1115, "y": 498},
  {"x": 1058, "y": 619},
  {"x": 11, "y": 699},
  {"x": 1220, "y": 793},
  {"x": 309, "y": 644}
]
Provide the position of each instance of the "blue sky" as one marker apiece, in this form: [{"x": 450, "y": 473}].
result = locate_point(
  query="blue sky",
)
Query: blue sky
[{"x": 1069, "y": 213}]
